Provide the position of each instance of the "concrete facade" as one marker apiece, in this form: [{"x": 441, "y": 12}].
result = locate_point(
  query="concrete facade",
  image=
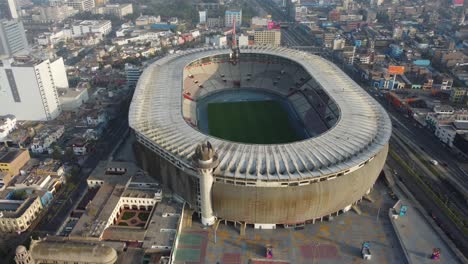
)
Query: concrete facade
[{"x": 28, "y": 89}]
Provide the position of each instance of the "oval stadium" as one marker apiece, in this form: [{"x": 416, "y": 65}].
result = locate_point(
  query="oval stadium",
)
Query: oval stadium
[{"x": 291, "y": 138}]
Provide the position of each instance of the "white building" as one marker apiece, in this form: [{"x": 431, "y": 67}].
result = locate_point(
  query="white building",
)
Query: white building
[
  {"x": 96, "y": 118},
  {"x": 44, "y": 138},
  {"x": 28, "y": 88},
  {"x": 12, "y": 38},
  {"x": 50, "y": 38},
  {"x": 202, "y": 15},
  {"x": 80, "y": 28},
  {"x": 217, "y": 40},
  {"x": 447, "y": 133},
  {"x": 243, "y": 40},
  {"x": 82, "y": 5},
  {"x": 232, "y": 15},
  {"x": 259, "y": 22},
  {"x": 147, "y": 20},
  {"x": 72, "y": 98},
  {"x": 118, "y": 10},
  {"x": 7, "y": 125}
]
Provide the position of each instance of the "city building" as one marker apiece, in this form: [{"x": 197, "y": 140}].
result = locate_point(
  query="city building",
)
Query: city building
[
  {"x": 458, "y": 95},
  {"x": 133, "y": 73},
  {"x": 97, "y": 117},
  {"x": 233, "y": 15},
  {"x": 79, "y": 146},
  {"x": 12, "y": 160},
  {"x": 118, "y": 10},
  {"x": 51, "y": 38},
  {"x": 100, "y": 2},
  {"x": 17, "y": 215},
  {"x": 83, "y": 27},
  {"x": 72, "y": 98},
  {"x": 8, "y": 9},
  {"x": 81, "y": 5},
  {"x": 7, "y": 125},
  {"x": 62, "y": 252},
  {"x": 45, "y": 137},
  {"x": 12, "y": 38},
  {"x": 202, "y": 17},
  {"x": 214, "y": 22},
  {"x": 120, "y": 189},
  {"x": 267, "y": 37},
  {"x": 147, "y": 20},
  {"x": 28, "y": 87},
  {"x": 48, "y": 14},
  {"x": 259, "y": 22}
]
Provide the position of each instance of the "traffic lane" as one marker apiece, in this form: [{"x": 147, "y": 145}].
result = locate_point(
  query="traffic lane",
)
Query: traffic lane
[
  {"x": 432, "y": 146},
  {"x": 429, "y": 206},
  {"x": 436, "y": 184}
]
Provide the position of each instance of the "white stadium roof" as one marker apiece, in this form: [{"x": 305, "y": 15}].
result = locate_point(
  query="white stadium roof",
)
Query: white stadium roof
[{"x": 361, "y": 132}]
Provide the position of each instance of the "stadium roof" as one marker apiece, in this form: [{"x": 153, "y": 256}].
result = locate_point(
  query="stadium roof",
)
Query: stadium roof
[{"x": 361, "y": 132}]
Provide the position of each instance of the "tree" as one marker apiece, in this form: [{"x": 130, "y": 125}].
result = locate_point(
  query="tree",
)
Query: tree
[
  {"x": 56, "y": 152},
  {"x": 69, "y": 155}
]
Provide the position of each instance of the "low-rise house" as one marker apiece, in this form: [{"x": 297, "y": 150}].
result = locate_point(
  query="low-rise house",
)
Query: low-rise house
[
  {"x": 80, "y": 146},
  {"x": 7, "y": 125},
  {"x": 97, "y": 117},
  {"x": 45, "y": 138}
]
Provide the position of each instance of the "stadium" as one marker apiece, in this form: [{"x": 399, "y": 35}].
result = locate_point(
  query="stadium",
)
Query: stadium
[{"x": 296, "y": 139}]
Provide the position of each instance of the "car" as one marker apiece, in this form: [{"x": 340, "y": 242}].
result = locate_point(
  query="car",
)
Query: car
[{"x": 434, "y": 162}]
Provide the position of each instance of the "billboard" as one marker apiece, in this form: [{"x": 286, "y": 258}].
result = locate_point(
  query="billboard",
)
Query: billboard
[
  {"x": 396, "y": 69},
  {"x": 458, "y": 2}
]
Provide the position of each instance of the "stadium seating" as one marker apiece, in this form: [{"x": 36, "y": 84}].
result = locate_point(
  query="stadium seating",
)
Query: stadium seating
[{"x": 311, "y": 103}]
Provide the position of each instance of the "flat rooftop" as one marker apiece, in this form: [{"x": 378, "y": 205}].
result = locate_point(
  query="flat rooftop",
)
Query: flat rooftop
[
  {"x": 114, "y": 172},
  {"x": 10, "y": 155},
  {"x": 98, "y": 212}
]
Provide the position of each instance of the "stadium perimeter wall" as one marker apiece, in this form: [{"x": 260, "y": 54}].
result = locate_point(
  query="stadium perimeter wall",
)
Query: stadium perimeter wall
[{"x": 267, "y": 205}]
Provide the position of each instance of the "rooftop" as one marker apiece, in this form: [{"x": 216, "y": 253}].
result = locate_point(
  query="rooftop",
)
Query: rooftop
[
  {"x": 14, "y": 209},
  {"x": 10, "y": 155}
]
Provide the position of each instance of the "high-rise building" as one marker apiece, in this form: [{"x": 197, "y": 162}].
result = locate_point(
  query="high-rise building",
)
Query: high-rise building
[
  {"x": 28, "y": 88},
  {"x": 202, "y": 15},
  {"x": 82, "y": 5},
  {"x": 233, "y": 15},
  {"x": 8, "y": 9},
  {"x": 133, "y": 73},
  {"x": 267, "y": 38},
  {"x": 12, "y": 38}
]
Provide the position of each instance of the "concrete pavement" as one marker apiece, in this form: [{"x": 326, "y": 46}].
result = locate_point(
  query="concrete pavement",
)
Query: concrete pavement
[{"x": 418, "y": 237}]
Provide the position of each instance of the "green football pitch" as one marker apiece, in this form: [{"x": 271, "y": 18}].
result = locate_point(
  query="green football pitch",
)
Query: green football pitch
[{"x": 257, "y": 122}]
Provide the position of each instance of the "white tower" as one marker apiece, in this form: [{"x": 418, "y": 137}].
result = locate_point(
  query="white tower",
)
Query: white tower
[{"x": 206, "y": 160}]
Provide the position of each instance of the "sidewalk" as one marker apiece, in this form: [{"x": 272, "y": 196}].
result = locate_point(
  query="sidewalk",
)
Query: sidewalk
[{"x": 419, "y": 238}]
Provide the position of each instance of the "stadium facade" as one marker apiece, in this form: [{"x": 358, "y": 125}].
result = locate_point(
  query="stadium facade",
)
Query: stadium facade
[{"x": 328, "y": 170}]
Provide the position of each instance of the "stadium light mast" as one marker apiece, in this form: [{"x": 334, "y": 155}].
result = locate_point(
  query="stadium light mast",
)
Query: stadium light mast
[
  {"x": 205, "y": 160},
  {"x": 235, "y": 51}
]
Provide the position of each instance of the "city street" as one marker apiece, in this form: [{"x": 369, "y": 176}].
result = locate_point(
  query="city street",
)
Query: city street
[{"x": 114, "y": 132}]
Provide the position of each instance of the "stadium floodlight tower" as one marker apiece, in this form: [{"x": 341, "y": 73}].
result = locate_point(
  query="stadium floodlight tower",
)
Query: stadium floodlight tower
[
  {"x": 235, "y": 51},
  {"x": 206, "y": 160}
]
